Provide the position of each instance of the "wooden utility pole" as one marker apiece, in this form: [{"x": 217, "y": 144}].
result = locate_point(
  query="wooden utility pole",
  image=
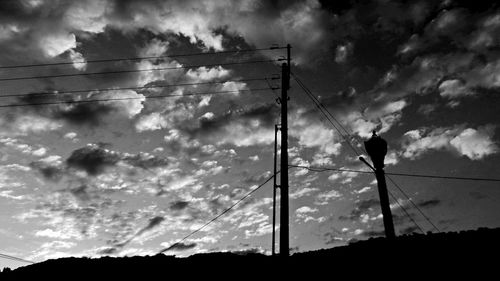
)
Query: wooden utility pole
[
  {"x": 284, "y": 217},
  {"x": 275, "y": 186}
]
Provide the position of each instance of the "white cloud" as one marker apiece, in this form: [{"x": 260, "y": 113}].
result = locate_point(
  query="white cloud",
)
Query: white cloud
[
  {"x": 342, "y": 52},
  {"x": 334, "y": 176},
  {"x": 166, "y": 75},
  {"x": 151, "y": 122},
  {"x": 358, "y": 231},
  {"x": 40, "y": 152},
  {"x": 391, "y": 158},
  {"x": 305, "y": 213},
  {"x": 88, "y": 16},
  {"x": 202, "y": 74},
  {"x": 16, "y": 145},
  {"x": 130, "y": 106},
  {"x": 207, "y": 116},
  {"x": 475, "y": 144},
  {"x": 233, "y": 86},
  {"x": 7, "y": 31},
  {"x": 363, "y": 190},
  {"x": 360, "y": 125},
  {"x": 71, "y": 136},
  {"x": 79, "y": 61},
  {"x": 26, "y": 124},
  {"x": 382, "y": 116},
  {"x": 57, "y": 43},
  {"x": 487, "y": 76},
  {"x": 324, "y": 197},
  {"x": 300, "y": 192},
  {"x": 54, "y": 160},
  {"x": 58, "y": 234},
  {"x": 305, "y": 210},
  {"x": 241, "y": 134},
  {"x": 321, "y": 159},
  {"x": 314, "y": 134},
  {"x": 254, "y": 158},
  {"x": 300, "y": 162},
  {"x": 453, "y": 89}
]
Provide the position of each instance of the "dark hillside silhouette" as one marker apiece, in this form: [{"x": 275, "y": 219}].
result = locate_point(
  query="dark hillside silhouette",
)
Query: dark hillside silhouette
[{"x": 445, "y": 254}]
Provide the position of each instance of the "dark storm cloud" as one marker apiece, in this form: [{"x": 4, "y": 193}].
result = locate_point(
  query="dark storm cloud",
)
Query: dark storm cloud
[
  {"x": 48, "y": 171},
  {"x": 266, "y": 114},
  {"x": 374, "y": 233},
  {"x": 178, "y": 205},
  {"x": 179, "y": 247},
  {"x": 90, "y": 114},
  {"x": 429, "y": 203},
  {"x": 94, "y": 159},
  {"x": 144, "y": 160},
  {"x": 80, "y": 192},
  {"x": 117, "y": 246},
  {"x": 154, "y": 222},
  {"x": 409, "y": 230},
  {"x": 361, "y": 207}
]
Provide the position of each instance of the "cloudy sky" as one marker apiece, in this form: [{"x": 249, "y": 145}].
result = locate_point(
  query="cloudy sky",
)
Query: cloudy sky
[{"x": 132, "y": 176}]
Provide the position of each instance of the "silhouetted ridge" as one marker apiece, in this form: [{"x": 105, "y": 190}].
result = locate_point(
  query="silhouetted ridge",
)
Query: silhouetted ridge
[{"x": 445, "y": 254}]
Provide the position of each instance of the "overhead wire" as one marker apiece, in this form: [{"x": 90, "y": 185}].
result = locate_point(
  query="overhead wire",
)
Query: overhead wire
[
  {"x": 405, "y": 211},
  {"x": 5, "y": 256},
  {"x": 414, "y": 205},
  {"x": 219, "y": 215},
  {"x": 135, "y": 70},
  {"x": 323, "y": 109},
  {"x": 324, "y": 169},
  {"x": 320, "y": 104},
  {"x": 56, "y": 92},
  {"x": 142, "y": 58},
  {"x": 370, "y": 172},
  {"x": 133, "y": 98}
]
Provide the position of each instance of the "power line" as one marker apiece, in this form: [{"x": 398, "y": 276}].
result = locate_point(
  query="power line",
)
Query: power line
[
  {"x": 414, "y": 205},
  {"x": 132, "y": 98},
  {"x": 142, "y": 58},
  {"x": 406, "y": 212},
  {"x": 323, "y": 169},
  {"x": 219, "y": 215},
  {"x": 319, "y": 169},
  {"x": 136, "y": 70},
  {"x": 355, "y": 171},
  {"x": 324, "y": 111},
  {"x": 55, "y": 92},
  {"x": 443, "y": 177},
  {"x": 322, "y": 105},
  {"x": 14, "y": 258}
]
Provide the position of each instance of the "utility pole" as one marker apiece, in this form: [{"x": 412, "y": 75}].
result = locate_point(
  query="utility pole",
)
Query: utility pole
[
  {"x": 376, "y": 147},
  {"x": 284, "y": 218},
  {"x": 275, "y": 186}
]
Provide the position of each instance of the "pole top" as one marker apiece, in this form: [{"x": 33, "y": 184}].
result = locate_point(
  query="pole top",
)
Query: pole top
[{"x": 376, "y": 147}]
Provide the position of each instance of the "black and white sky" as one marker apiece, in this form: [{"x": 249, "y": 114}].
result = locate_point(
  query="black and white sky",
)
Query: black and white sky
[{"x": 132, "y": 176}]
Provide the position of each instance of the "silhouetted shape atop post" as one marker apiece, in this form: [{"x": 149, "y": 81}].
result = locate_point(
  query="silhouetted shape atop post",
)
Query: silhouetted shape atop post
[{"x": 376, "y": 147}]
